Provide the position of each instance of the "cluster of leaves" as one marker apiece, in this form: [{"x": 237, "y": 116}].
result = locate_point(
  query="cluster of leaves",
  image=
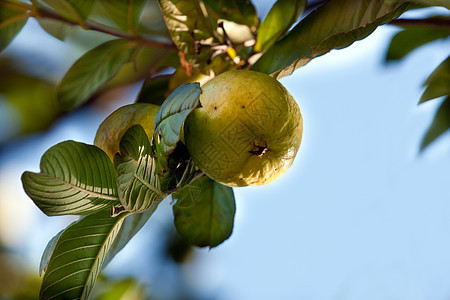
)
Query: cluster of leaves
[
  {"x": 200, "y": 39},
  {"x": 412, "y": 36},
  {"x": 116, "y": 199}
]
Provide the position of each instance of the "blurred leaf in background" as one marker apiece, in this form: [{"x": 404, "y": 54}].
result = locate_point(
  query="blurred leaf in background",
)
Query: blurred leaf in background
[
  {"x": 438, "y": 85},
  {"x": 440, "y": 124},
  {"x": 17, "y": 281},
  {"x": 11, "y": 22},
  {"x": 119, "y": 289},
  {"x": 28, "y": 103},
  {"x": 413, "y": 36}
]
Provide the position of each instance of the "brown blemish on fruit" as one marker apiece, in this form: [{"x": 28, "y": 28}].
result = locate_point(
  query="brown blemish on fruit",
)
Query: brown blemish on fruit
[{"x": 259, "y": 148}]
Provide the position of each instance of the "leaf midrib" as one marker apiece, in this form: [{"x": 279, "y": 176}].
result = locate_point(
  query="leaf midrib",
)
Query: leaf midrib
[
  {"x": 90, "y": 193},
  {"x": 119, "y": 220}
]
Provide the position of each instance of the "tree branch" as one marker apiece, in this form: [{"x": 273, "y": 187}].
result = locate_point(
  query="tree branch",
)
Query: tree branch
[
  {"x": 40, "y": 12},
  {"x": 91, "y": 25},
  {"x": 430, "y": 22}
]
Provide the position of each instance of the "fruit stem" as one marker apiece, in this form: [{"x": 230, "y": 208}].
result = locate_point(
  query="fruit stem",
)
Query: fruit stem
[{"x": 197, "y": 175}]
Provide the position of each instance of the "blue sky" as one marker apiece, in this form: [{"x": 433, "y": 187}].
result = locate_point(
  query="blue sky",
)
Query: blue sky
[{"x": 361, "y": 214}]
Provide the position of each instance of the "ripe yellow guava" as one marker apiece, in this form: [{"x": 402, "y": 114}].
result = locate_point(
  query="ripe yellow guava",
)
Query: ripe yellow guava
[
  {"x": 247, "y": 130},
  {"x": 116, "y": 124}
]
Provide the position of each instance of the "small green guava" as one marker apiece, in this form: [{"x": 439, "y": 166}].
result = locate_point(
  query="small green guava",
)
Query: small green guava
[{"x": 116, "y": 124}]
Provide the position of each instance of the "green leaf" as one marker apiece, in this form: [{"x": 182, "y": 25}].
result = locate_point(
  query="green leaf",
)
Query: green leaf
[
  {"x": 411, "y": 38},
  {"x": 36, "y": 106},
  {"x": 282, "y": 15},
  {"x": 139, "y": 186},
  {"x": 335, "y": 25},
  {"x": 170, "y": 118},
  {"x": 125, "y": 13},
  {"x": 147, "y": 61},
  {"x": 438, "y": 82},
  {"x": 444, "y": 3},
  {"x": 75, "y": 178},
  {"x": 128, "y": 288},
  {"x": 238, "y": 11},
  {"x": 55, "y": 28},
  {"x": 440, "y": 124},
  {"x": 204, "y": 212},
  {"x": 135, "y": 143},
  {"x": 92, "y": 70},
  {"x": 154, "y": 90},
  {"x": 11, "y": 22},
  {"x": 45, "y": 259},
  {"x": 78, "y": 256},
  {"x": 191, "y": 31},
  {"x": 76, "y": 10},
  {"x": 131, "y": 225}
]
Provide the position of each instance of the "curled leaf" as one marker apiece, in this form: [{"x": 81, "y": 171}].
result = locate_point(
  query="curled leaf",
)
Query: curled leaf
[
  {"x": 170, "y": 118},
  {"x": 75, "y": 179}
]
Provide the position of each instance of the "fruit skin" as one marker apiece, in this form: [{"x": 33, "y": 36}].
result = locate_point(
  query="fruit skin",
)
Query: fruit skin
[
  {"x": 247, "y": 131},
  {"x": 116, "y": 124}
]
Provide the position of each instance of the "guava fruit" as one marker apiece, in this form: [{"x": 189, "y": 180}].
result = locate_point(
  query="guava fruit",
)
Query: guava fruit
[
  {"x": 246, "y": 132},
  {"x": 117, "y": 123}
]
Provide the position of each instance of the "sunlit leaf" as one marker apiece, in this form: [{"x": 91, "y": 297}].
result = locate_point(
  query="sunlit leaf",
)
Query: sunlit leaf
[
  {"x": 170, "y": 118},
  {"x": 11, "y": 22},
  {"x": 78, "y": 256},
  {"x": 139, "y": 186},
  {"x": 440, "y": 124},
  {"x": 335, "y": 25},
  {"x": 411, "y": 38},
  {"x": 92, "y": 70},
  {"x": 75, "y": 10},
  {"x": 204, "y": 212},
  {"x": 438, "y": 83},
  {"x": 282, "y": 15},
  {"x": 125, "y": 13},
  {"x": 238, "y": 11},
  {"x": 191, "y": 31},
  {"x": 75, "y": 178}
]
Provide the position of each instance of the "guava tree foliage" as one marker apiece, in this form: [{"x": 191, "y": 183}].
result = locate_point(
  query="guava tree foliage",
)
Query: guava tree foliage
[{"x": 198, "y": 39}]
